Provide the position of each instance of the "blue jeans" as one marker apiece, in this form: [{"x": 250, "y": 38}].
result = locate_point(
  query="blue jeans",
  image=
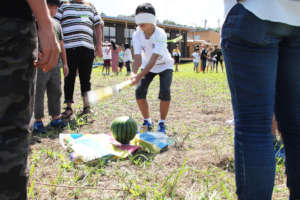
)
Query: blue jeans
[{"x": 263, "y": 71}]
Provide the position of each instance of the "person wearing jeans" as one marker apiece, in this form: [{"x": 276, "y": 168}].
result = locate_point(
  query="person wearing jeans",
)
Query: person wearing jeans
[{"x": 261, "y": 48}]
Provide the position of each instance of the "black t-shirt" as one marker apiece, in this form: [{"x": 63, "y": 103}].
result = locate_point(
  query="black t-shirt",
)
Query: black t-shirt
[
  {"x": 204, "y": 54},
  {"x": 15, "y": 9},
  {"x": 218, "y": 53}
]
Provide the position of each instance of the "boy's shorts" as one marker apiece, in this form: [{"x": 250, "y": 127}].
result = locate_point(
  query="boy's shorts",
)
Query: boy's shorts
[
  {"x": 164, "y": 89},
  {"x": 121, "y": 64},
  {"x": 196, "y": 64},
  {"x": 106, "y": 63}
]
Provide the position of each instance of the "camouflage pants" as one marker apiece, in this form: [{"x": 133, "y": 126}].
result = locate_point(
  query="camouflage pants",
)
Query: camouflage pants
[{"x": 18, "y": 45}]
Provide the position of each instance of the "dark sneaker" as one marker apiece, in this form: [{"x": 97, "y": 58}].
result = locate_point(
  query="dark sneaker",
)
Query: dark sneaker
[
  {"x": 58, "y": 123},
  {"x": 147, "y": 126},
  {"x": 38, "y": 127},
  {"x": 161, "y": 127}
]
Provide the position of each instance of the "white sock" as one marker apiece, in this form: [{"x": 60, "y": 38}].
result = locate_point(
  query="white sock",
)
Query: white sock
[
  {"x": 163, "y": 121},
  {"x": 149, "y": 120}
]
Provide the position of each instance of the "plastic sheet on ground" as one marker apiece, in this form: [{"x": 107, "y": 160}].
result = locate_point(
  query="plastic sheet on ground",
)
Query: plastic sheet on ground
[
  {"x": 152, "y": 142},
  {"x": 89, "y": 147}
]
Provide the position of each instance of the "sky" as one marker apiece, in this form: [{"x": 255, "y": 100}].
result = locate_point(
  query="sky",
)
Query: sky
[{"x": 185, "y": 12}]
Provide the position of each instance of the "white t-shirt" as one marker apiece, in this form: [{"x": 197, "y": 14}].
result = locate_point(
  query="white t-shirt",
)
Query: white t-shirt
[
  {"x": 196, "y": 57},
  {"x": 284, "y": 11},
  {"x": 157, "y": 44},
  {"x": 127, "y": 55},
  {"x": 105, "y": 55}
]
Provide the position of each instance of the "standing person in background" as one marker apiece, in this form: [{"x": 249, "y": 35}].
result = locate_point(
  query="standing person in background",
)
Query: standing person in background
[
  {"x": 196, "y": 56},
  {"x": 176, "y": 55},
  {"x": 268, "y": 31},
  {"x": 106, "y": 58},
  {"x": 219, "y": 57},
  {"x": 51, "y": 82},
  {"x": 121, "y": 59},
  {"x": 204, "y": 56},
  {"x": 127, "y": 58},
  {"x": 210, "y": 61},
  {"x": 114, "y": 49},
  {"x": 80, "y": 21},
  {"x": 18, "y": 56}
]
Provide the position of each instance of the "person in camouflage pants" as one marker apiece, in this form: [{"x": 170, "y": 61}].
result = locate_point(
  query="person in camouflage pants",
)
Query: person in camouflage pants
[
  {"x": 17, "y": 79},
  {"x": 18, "y": 58}
]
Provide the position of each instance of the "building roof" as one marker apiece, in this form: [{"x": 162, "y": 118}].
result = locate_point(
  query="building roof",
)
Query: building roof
[{"x": 131, "y": 20}]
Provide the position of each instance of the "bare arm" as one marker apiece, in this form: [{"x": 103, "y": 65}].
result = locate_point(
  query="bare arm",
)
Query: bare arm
[
  {"x": 48, "y": 44},
  {"x": 64, "y": 58},
  {"x": 148, "y": 67},
  {"x": 99, "y": 40},
  {"x": 137, "y": 61}
]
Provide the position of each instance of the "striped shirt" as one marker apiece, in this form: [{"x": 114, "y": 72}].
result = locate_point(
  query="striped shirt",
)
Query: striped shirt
[{"x": 78, "y": 20}]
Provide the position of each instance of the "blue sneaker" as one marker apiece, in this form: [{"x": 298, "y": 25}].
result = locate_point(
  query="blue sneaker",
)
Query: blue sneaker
[
  {"x": 38, "y": 127},
  {"x": 161, "y": 127},
  {"x": 58, "y": 123},
  {"x": 147, "y": 126}
]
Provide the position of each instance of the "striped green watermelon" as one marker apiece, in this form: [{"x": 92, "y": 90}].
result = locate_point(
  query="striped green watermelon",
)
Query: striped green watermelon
[{"x": 123, "y": 129}]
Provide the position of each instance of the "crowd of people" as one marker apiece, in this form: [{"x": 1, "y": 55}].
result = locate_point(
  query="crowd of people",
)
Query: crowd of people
[
  {"x": 206, "y": 57},
  {"x": 122, "y": 56}
]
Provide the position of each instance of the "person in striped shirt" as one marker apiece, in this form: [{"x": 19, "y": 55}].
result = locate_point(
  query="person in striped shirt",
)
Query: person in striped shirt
[{"x": 80, "y": 22}]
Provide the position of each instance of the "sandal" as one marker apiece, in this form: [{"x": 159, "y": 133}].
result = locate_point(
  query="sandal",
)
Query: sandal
[
  {"x": 67, "y": 113},
  {"x": 86, "y": 110}
]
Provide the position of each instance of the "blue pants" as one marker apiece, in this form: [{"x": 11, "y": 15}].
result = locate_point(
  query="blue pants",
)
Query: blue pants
[
  {"x": 203, "y": 61},
  {"x": 263, "y": 71}
]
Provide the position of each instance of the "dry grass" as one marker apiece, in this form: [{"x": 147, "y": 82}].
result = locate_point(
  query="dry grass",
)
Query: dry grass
[{"x": 198, "y": 166}]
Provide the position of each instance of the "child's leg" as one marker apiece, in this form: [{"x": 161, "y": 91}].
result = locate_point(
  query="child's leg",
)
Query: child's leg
[
  {"x": 196, "y": 67},
  {"x": 141, "y": 93},
  {"x": 85, "y": 68},
  {"x": 108, "y": 66},
  {"x": 103, "y": 66},
  {"x": 203, "y": 65},
  {"x": 221, "y": 62},
  {"x": 165, "y": 78},
  {"x": 54, "y": 92},
  {"x": 128, "y": 67},
  {"x": 41, "y": 84}
]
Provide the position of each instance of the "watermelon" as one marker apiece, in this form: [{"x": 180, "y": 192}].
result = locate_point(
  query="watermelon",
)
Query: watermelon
[{"x": 123, "y": 129}]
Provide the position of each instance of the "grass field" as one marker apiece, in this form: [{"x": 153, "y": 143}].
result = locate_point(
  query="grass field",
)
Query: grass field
[{"x": 198, "y": 166}]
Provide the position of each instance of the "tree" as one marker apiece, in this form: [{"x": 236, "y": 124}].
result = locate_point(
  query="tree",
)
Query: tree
[{"x": 169, "y": 22}]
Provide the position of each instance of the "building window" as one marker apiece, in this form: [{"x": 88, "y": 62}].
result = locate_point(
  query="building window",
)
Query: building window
[
  {"x": 128, "y": 35},
  {"x": 189, "y": 38},
  {"x": 109, "y": 33},
  {"x": 197, "y": 37}
]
